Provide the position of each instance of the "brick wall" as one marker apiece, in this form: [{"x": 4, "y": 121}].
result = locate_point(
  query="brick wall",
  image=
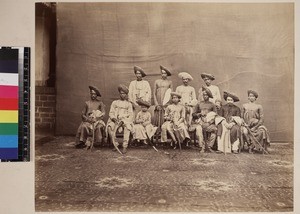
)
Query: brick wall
[{"x": 45, "y": 102}]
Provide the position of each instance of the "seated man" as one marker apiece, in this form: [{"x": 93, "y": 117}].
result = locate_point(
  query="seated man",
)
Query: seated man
[
  {"x": 120, "y": 115},
  {"x": 201, "y": 124},
  {"x": 175, "y": 123},
  {"x": 87, "y": 122},
  {"x": 253, "y": 115},
  {"x": 229, "y": 132}
]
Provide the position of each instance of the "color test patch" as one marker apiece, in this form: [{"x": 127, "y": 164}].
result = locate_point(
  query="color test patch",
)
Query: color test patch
[{"x": 9, "y": 101}]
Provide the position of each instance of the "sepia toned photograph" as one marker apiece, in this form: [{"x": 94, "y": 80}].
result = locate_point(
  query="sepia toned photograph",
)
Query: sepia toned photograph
[{"x": 164, "y": 107}]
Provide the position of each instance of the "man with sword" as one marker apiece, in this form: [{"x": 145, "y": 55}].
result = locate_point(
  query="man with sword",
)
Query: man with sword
[{"x": 120, "y": 116}]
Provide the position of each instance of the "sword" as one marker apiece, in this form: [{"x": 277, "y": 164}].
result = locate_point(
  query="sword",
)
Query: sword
[{"x": 117, "y": 125}]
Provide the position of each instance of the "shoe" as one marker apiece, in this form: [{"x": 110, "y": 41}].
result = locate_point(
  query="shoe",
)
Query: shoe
[
  {"x": 79, "y": 145},
  {"x": 201, "y": 150},
  {"x": 124, "y": 151},
  {"x": 210, "y": 150},
  {"x": 250, "y": 151},
  {"x": 187, "y": 142},
  {"x": 235, "y": 152},
  {"x": 105, "y": 140},
  {"x": 174, "y": 145}
]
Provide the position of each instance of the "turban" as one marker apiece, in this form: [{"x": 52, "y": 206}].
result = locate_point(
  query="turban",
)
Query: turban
[
  {"x": 234, "y": 97},
  {"x": 208, "y": 92},
  {"x": 176, "y": 94},
  {"x": 95, "y": 89},
  {"x": 143, "y": 103},
  {"x": 253, "y": 92},
  {"x": 166, "y": 70},
  {"x": 136, "y": 68},
  {"x": 185, "y": 75},
  {"x": 210, "y": 76},
  {"x": 123, "y": 88}
]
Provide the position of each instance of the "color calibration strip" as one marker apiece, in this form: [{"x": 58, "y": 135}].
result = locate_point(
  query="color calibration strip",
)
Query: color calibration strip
[
  {"x": 14, "y": 121},
  {"x": 9, "y": 103}
]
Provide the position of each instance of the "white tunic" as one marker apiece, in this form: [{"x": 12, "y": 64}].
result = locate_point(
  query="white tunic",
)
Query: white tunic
[
  {"x": 188, "y": 95},
  {"x": 139, "y": 90}
]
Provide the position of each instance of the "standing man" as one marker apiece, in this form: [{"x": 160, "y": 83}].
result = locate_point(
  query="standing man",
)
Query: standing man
[
  {"x": 232, "y": 115},
  {"x": 160, "y": 88},
  {"x": 139, "y": 89},
  {"x": 84, "y": 129},
  {"x": 188, "y": 95},
  {"x": 120, "y": 115},
  {"x": 201, "y": 124},
  {"x": 208, "y": 78}
]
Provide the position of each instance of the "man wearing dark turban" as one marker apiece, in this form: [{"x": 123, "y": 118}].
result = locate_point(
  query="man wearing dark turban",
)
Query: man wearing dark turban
[
  {"x": 90, "y": 107},
  {"x": 120, "y": 115},
  {"x": 139, "y": 89},
  {"x": 160, "y": 87},
  {"x": 201, "y": 125},
  {"x": 253, "y": 115},
  {"x": 232, "y": 115}
]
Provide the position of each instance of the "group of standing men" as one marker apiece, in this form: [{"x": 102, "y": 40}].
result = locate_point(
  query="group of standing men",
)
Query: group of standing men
[{"x": 213, "y": 123}]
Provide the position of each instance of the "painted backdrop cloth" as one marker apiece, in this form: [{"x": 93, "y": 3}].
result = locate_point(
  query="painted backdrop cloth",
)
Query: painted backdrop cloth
[{"x": 254, "y": 47}]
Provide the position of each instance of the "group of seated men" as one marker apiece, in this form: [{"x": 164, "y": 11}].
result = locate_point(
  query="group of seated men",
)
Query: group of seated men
[{"x": 225, "y": 127}]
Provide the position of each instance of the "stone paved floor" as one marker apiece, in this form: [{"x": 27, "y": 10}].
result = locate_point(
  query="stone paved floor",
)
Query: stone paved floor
[{"x": 69, "y": 179}]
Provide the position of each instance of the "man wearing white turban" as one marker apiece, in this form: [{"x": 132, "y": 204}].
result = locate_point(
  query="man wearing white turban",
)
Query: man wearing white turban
[{"x": 188, "y": 95}]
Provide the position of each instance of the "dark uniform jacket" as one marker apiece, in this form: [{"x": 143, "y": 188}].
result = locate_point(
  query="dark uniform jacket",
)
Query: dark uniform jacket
[{"x": 228, "y": 110}]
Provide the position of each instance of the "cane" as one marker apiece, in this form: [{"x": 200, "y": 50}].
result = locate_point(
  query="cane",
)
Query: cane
[
  {"x": 255, "y": 141},
  {"x": 93, "y": 136},
  {"x": 242, "y": 140}
]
